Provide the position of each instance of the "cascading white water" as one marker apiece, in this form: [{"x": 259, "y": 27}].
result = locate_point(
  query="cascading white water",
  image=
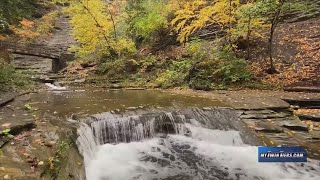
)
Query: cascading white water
[{"x": 202, "y": 154}]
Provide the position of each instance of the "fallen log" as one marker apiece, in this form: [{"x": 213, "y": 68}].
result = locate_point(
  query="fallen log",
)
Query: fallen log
[{"x": 312, "y": 89}]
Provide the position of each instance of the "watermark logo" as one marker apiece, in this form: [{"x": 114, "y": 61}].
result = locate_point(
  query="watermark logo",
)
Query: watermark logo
[{"x": 282, "y": 154}]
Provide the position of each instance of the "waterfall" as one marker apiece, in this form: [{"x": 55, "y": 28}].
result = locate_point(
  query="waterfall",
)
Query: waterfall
[
  {"x": 117, "y": 128},
  {"x": 185, "y": 144}
]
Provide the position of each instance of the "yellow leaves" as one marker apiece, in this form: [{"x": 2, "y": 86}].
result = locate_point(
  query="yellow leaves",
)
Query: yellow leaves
[
  {"x": 124, "y": 43},
  {"x": 94, "y": 24},
  {"x": 91, "y": 25},
  {"x": 200, "y": 13},
  {"x": 51, "y": 163},
  {"x": 191, "y": 12}
]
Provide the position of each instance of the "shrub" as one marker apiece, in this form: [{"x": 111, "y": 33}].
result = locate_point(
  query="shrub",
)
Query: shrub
[
  {"x": 148, "y": 63},
  {"x": 215, "y": 66},
  {"x": 176, "y": 75},
  {"x": 114, "y": 68},
  {"x": 232, "y": 69},
  {"x": 10, "y": 79},
  {"x": 46, "y": 23}
]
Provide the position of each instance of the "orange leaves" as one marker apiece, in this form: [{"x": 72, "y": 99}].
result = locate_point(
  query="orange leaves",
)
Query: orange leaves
[
  {"x": 307, "y": 111},
  {"x": 29, "y": 30},
  {"x": 26, "y": 30},
  {"x": 27, "y": 23},
  {"x": 2, "y": 38},
  {"x": 25, "y": 34}
]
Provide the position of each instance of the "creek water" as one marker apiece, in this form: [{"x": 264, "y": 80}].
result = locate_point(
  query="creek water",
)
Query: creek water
[{"x": 126, "y": 135}]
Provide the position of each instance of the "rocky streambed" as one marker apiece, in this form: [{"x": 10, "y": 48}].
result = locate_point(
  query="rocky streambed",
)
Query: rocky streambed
[{"x": 41, "y": 143}]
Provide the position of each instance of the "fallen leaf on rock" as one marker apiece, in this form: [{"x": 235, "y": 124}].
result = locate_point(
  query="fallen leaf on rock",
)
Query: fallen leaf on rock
[
  {"x": 6, "y": 125},
  {"x": 27, "y": 107},
  {"x": 26, "y": 154},
  {"x": 38, "y": 141},
  {"x": 40, "y": 163}
]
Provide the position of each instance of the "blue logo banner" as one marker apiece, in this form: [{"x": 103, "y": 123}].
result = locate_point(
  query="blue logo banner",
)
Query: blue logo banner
[{"x": 281, "y": 154}]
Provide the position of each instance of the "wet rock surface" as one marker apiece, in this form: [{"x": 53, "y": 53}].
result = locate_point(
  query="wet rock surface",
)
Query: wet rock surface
[
  {"x": 6, "y": 98},
  {"x": 270, "y": 115},
  {"x": 283, "y": 128}
]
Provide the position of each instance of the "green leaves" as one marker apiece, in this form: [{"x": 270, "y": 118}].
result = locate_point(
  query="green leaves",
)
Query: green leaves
[
  {"x": 14, "y": 10},
  {"x": 146, "y": 17},
  {"x": 6, "y": 133},
  {"x": 11, "y": 79}
]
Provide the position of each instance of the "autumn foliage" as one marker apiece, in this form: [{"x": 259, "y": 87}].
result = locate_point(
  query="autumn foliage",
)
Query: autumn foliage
[{"x": 25, "y": 30}]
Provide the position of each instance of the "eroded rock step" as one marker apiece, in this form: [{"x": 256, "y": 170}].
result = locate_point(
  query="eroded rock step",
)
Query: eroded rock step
[
  {"x": 282, "y": 127},
  {"x": 272, "y": 120},
  {"x": 304, "y": 103}
]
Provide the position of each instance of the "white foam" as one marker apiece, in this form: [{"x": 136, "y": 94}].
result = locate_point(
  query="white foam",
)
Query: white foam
[
  {"x": 222, "y": 150},
  {"x": 55, "y": 88}
]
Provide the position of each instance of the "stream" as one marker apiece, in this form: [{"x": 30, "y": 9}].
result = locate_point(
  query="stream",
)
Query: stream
[
  {"x": 126, "y": 135},
  {"x": 154, "y": 135}
]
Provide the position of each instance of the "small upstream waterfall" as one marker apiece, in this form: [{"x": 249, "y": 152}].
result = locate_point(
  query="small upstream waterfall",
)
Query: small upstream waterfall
[{"x": 186, "y": 144}]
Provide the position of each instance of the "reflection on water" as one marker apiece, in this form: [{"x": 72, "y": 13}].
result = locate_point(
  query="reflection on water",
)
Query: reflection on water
[{"x": 95, "y": 101}]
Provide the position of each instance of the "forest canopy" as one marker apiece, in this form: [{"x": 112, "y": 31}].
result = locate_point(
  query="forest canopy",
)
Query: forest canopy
[{"x": 199, "y": 43}]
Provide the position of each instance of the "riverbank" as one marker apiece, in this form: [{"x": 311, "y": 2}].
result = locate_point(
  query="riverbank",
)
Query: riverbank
[{"x": 32, "y": 146}]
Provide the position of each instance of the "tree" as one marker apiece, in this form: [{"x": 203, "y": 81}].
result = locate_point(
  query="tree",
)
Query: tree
[
  {"x": 94, "y": 27},
  {"x": 147, "y": 19},
  {"x": 199, "y": 14},
  {"x": 275, "y": 11},
  {"x": 276, "y": 7},
  {"x": 12, "y": 11},
  {"x": 250, "y": 23}
]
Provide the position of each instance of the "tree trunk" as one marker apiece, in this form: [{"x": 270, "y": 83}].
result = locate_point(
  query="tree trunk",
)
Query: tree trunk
[
  {"x": 271, "y": 69},
  {"x": 96, "y": 21},
  {"x": 113, "y": 24},
  {"x": 274, "y": 24},
  {"x": 248, "y": 37},
  {"x": 230, "y": 14}
]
